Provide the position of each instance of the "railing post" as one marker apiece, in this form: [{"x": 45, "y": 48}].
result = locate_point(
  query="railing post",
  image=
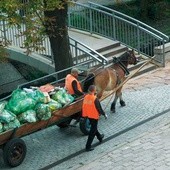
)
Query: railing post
[
  {"x": 91, "y": 21},
  {"x": 163, "y": 57},
  {"x": 114, "y": 26},
  {"x": 138, "y": 38},
  {"x": 76, "y": 55}
]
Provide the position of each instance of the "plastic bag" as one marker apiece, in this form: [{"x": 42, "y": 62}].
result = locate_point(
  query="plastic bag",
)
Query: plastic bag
[
  {"x": 43, "y": 111},
  {"x": 68, "y": 98},
  {"x": 20, "y": 105},
  {"x": 27, "y": 116},
  {"x": 37, "y": 95},
  {"x": 2, "y": 106},
  {"x": 18, "y": 94},
  {"x": 7, "y": 116},
  {"x": 63, "y": 97},
  {"x": 58, "y": 96},
  {"x": 54, "y": 105},
  {"x": 11, "y": 125}
]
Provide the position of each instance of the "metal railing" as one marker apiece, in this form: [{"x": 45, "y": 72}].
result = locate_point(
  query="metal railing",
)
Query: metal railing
[
  {"x": 80, "y": 52},
  {"x": 98, "y": 19}
]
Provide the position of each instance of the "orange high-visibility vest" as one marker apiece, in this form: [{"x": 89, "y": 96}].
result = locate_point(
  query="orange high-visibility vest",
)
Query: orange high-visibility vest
[
  {"x": 68, "y": 84},
  {"x": 89, "y": 109}
]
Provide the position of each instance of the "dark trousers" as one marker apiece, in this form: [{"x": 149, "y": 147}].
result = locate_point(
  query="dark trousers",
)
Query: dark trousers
[{"x": 93, "y": 132}]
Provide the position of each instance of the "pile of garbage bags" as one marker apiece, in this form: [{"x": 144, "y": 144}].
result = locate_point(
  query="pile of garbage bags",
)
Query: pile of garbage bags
[{"x": 31, "y": 105}]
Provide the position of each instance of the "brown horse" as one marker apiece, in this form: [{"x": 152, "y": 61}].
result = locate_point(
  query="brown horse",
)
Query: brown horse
[{"x": 106, "y": 79}]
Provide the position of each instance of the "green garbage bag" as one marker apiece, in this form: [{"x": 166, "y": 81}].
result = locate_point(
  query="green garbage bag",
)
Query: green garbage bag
[
  {"x": 58, "y": 96},
  {"x": 54, "y": 105},
  {"x": 28, "y": 116},
  {"x": 43, "y": 111},
  {"x": 19, "y": 106},
  {"x": 18, "y": 94},
  {"x": 7, "y": 116},
  {"x": 37, "y": 95},
  {"x": 11, "y": 125},
  {"x": 20, "y": 102},
  {"x": 2, "y": 105},
  {"x": 68, "y": 98}
]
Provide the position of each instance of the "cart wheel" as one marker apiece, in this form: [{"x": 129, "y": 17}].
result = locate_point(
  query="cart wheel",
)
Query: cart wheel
[
  {"x": 14, "y": 152},
  {"x": 85, "y": 126},
  {"x": 64, "y": 124}
]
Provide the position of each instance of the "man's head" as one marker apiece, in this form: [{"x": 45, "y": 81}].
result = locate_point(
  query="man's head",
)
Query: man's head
[
  {"x": 75, "y": 72},
  {"x": 92, "y": 89}
]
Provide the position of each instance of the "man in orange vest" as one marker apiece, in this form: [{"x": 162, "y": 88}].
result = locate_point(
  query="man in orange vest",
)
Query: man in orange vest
[
  {"x": 92, "y": 109},
  {"x": 73, "y": 87},
  {"x": 72, "y": 84}
]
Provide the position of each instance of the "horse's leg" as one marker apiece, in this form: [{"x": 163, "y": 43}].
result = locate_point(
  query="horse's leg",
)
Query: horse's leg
[
  {"x": 114, "y": 104},
  {"x": 118, "y": 94},
  {"x": 122, "y": 102}
]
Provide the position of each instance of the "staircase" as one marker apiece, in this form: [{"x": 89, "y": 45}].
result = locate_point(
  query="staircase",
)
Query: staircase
[{"x": 116, "y": 49}]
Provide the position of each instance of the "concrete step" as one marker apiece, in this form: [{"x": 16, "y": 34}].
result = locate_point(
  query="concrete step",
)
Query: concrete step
[
  {"x": 108, "y": 47},
  {"x": 109, "y": 54}
]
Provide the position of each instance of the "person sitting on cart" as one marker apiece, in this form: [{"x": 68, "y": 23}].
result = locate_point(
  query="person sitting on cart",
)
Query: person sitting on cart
[
  {"x": 72, "y": 84},
  {"x": 73, "y": 87}
]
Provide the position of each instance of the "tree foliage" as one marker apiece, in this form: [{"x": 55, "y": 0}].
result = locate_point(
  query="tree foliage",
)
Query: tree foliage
[{"x": 42, "y": 18}]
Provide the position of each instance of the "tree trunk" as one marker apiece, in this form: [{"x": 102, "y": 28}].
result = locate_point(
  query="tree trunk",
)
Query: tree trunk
[{"x": 56, "y": 28}]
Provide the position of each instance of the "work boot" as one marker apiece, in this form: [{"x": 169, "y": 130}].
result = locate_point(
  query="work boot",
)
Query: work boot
[
  {"x": 101, "y": 138},
  {"x": 89, "y": 149}
]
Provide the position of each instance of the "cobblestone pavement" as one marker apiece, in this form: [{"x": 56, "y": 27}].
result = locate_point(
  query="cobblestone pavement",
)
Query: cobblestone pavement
[
  {"x": 151, "y": 149},
  {"x": 136, "y": 136}
]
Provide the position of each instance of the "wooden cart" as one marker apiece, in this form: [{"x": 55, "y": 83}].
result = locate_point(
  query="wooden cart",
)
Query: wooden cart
[{"x": 14, "y": 148}]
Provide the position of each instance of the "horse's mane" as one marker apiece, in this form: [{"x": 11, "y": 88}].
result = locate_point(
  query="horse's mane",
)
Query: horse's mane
[
  {"x": 124, "y": 57},
  {"x": 88, "y": 81}
]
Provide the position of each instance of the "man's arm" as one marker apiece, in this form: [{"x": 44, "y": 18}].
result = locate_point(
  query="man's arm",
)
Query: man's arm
[
  {"x": 76, "y": 91},
  {"x": 99, "y": 107}
]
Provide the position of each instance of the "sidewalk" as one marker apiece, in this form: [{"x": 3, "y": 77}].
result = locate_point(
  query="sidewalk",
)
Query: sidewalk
[
  {"x": 145, "y": 147},
  {"x": 151, "y": 151}
]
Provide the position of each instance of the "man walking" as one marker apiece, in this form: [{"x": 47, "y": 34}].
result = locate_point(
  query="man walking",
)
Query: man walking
[{"x": 92, "y": 110}]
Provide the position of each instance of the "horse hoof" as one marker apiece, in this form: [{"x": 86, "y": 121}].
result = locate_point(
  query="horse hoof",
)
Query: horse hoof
[{"x": 122, "y": 103}]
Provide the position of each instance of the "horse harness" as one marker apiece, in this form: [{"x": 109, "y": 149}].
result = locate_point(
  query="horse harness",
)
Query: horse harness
[{"x": 123, "y": 67}]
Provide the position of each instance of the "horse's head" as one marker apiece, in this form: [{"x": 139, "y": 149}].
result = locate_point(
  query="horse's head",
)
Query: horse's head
[{"x": 131, "y": 57}]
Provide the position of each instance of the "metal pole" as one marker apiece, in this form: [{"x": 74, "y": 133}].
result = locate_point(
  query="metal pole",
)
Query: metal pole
[{"x": 138, "y": 38}]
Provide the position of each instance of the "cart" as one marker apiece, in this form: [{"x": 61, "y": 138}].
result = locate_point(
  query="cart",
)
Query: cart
[{"x": 14, "y": 148}]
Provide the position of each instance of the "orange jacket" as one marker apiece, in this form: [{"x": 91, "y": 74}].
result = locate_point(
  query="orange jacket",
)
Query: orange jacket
[
  {"x": 89, "y": 109},
  {"x": 68, "y": 84}
]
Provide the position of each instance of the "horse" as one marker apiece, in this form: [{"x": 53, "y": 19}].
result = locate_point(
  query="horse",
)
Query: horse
[{"x": 108, "y": 78}]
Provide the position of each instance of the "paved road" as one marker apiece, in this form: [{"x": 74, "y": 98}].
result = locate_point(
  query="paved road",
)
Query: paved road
[{"x": 128, "y": 135}]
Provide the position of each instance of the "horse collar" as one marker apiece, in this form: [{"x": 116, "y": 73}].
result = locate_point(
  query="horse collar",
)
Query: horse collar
[{"x": 124, "y": 68}]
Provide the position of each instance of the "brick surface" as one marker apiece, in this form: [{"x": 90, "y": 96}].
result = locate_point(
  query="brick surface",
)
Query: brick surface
[{"x": 144, "y": 147}]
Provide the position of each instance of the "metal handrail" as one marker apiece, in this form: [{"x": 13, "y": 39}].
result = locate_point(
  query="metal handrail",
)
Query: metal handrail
[
  {"x": 114, "y": 25},
  {"x": 133, "y": 20},
  {"x": 93, "y": 53}
]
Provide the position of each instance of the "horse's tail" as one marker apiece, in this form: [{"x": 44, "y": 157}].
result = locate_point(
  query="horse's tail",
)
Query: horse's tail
[{"x": 88, "y": 81}]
